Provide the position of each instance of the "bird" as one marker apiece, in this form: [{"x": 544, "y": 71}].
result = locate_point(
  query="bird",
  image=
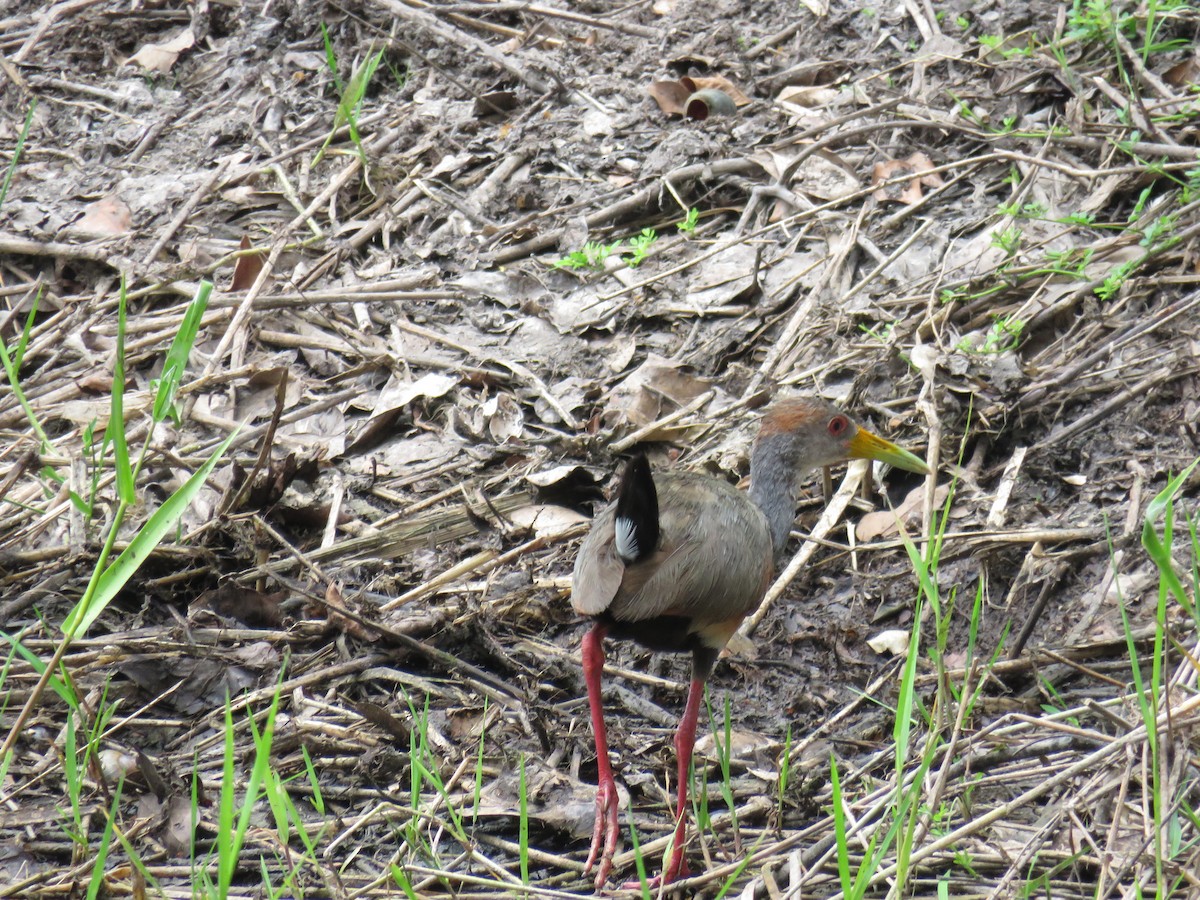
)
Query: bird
[{"x": 679, "y": 559}]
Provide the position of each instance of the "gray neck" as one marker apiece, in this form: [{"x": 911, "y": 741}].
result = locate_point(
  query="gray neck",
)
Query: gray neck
[{"x": 773, "y": 484}]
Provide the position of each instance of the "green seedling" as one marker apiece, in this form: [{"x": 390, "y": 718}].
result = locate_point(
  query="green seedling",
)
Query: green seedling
[
  {"x": 1009, "y": 240},
  {"x": 690, "y": 221},
  {"x": 1115, "y": 279},
  {"x": 592, "y": 256},
  {"x": 723, "y": 741},
  {"x": 12, "y": 358},
  {"x": 640, "y": 246},
  {"x": 401, "y": 878},
  {"x": 350, "y": 95},
  {"x": 1003, "y": 335},
  {"x": 882, "y": 333},
  {"x": 108, "y": 579},
  {"x": 233, "y": 818}
]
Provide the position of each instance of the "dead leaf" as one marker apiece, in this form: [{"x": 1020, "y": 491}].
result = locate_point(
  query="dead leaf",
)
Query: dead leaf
[
  {"x": 385, "y": 721},
  {"x": 807, "y": 96},
  {"x": 338, "y": 615},
  {"x": 656, "y": 387},
  {"x": 184, "y": 683},
  {"x": 161, "y": 57},
  {"x": 466, "y": 724},
  {"x": 1184, "y": 73},
  {"x": 671, "y": 96},
  {"x": 84, "y": 412},
  {"x": 392, "y": 402},
  {"x": 918, "y": 165},
  {"x": 546, "y": 520},
  {"x": 559, "y": 476},
  {"x": 396, "y": 394},
  {"x": 743, "y": 745},
  {"x": 505, "y": 421},
  {"x": 246, "y": 267},
  {"x": 232, "y": 601},
  {"x": 724, "y": 277},
  {"x": 882, "y": 522},
  {"x": 893, "y": 642},
  {"x": 106, "y": 217},
  {"x": 179, "y": 833}
]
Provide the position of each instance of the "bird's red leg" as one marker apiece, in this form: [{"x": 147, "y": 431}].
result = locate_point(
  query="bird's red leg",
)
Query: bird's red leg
[
  {"x": 606, "y": 832},
  {"x": 685, "y": 740}
]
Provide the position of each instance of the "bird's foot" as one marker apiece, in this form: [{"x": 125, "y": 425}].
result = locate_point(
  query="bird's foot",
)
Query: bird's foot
[{"x": 606, "y": 834}]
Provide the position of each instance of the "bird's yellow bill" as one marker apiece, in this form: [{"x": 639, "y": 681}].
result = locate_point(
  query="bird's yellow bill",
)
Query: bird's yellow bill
[{"x": 865, "y": 445}]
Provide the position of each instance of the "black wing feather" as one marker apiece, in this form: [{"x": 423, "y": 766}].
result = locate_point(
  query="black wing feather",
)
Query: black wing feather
[{"x": 637, "y": 527}]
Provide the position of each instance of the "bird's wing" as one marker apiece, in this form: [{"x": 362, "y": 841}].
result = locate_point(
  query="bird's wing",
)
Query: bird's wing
[
  {"x": 713, "y": 562},
  {"x": 598, "y": 568}
]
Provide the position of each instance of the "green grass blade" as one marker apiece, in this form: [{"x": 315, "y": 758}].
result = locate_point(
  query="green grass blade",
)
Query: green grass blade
[
  {"x": 523, "y": 826},
  {"x": 35, "y": 662},
  {"x": 1159, "y": 549},
  {"x": 401, "y": 879},
  {"x": 126, "y": 490},
  {"x": 839, "y": 828},
  {"x": 12, "y": 368},
  {"x": 168, "y": 383},
  {"x": 96, "y": 884},
  {"x": 148, "y": 537},
  {"x": 226, "y": 842},
  {"x": 26, "y": 331},
  {"x": 639, "y": 860},
  {"x": 12, "y": 166}
]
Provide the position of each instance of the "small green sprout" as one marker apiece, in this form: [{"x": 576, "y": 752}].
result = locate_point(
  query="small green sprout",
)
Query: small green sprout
[
  {"x": 640, "y": 246},
  {"x": 1008, "y": 240},
  {"x": 688, "y": 225},
  {"x": 592, "y": 256}
]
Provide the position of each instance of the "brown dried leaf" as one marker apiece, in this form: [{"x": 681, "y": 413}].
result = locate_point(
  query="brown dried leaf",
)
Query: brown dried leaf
[
  {"x": 232, "y": 601},
  {"x": 246, "y": 268},
  {"x": 743, "y": 745},
  {"x": 546, "y": 520},
  {"x": 505, "y": 421},
  {"x": 656, "y": 387},
  {"x": 1184, "y": 73},
  {"x": 195, "y": 684},
  {"x": 808, "y": 96},
  {"x": 338, "y": 615},
  {"x": 105, "y": 218},
  {"x": 162, "y": 56},
  {"x": 385, "y": 721},
  {"x": 918, "y": 164},
  {"x": 179, "y": 830},
  {"x": 671, "y": 96},
  {"x": 882, "y": 522}
]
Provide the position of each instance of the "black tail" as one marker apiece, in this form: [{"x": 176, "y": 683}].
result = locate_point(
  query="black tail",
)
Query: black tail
[{"x": 637, "y": 512}]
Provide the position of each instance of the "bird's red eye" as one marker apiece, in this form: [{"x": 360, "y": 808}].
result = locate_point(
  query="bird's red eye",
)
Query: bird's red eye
[{"x": 838, "y": 425}]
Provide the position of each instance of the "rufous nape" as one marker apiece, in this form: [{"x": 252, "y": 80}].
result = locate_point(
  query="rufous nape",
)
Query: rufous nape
[{"x": 680, "y": 559}]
